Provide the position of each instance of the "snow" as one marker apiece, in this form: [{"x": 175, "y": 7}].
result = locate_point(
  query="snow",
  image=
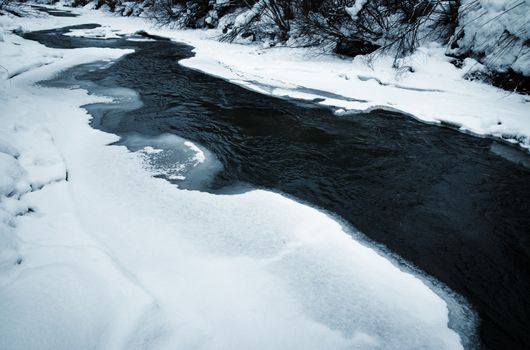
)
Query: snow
[
  {"x": 355, "y": 8},
  {"x": 18, "y": 58},
  {"x": 12, "y": 172},
  {"x": 48, "y": 264},
  {"x": 151, "y": 150},
  {"x": 199, "y": 156},
  {"x": 246, "y": 16},
  {"x": 174, "y": 158},
  {"x": 497, "y": 30},
  {"x": 96, "y": 252},
  {"x": 103, "y": 32}
]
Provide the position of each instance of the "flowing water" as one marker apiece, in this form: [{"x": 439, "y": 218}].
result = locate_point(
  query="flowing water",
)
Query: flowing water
[{"x": 454, "y": 205}]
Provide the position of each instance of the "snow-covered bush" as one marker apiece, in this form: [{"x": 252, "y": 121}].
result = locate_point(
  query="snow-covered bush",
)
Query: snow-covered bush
[
  {"x": 495, "y": 32},
  {"x": 12, "y": 8},
  {"x": 361, "y": 26},
  {"x": 263, "y": 18},
  {"x": 351, "y": 27},
  {"x": 281, "y": 13},
  {"x": 192, "y": 13},
  {"x": 3, "y": 3},
  {"x": 255, "y": 22},
  {"x": 179, "y": 13},
  {"x": 132, "y": 8}
]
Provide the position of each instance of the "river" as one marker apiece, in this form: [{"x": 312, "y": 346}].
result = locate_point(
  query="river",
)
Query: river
[{"x": 454, "y": 205}]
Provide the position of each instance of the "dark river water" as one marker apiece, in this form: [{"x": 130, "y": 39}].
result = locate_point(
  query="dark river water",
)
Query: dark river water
[{"x": 454, "y": 205}]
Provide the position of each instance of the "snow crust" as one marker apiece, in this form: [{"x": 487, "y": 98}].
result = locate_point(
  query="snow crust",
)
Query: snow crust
[{"x": 95, "y": 252}]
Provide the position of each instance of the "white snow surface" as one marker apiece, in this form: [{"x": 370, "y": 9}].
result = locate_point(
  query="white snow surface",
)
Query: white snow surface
[
  {"x": 199, "y": 156},
  {"x": 497, "y": 29},
  {"x": 357, "y": 6},
  {"x": 95, "y": 252}
]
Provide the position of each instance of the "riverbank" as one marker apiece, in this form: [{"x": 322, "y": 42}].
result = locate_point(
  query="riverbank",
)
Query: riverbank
[
  {"x": 90, "y": 237},
  {"x": 430, "y": 89}
]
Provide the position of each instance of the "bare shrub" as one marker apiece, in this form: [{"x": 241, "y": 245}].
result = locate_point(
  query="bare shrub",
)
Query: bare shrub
[
  {"x": 387, "y": 25},
  {"x": 4, "y": 4},
  {"x": 281, "y": 13},
  {"x": 179, "y": 13},
  {"x": 265, "y": 17}
]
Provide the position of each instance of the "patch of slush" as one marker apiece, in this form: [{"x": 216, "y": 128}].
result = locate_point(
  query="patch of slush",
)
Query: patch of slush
[
  {"x": 174, "y": 158},
  {"x": 511, "y": 154}
]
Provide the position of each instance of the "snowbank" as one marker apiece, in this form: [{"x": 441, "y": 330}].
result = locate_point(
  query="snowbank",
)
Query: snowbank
[
  {"x": 58, "y": 288},
  {"x": 497, "y": 31},
  {"x": 97, "y": 253}
]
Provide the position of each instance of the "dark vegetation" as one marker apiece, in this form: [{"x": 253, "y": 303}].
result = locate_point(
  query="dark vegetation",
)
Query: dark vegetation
[{"x": 3, "y": 3}]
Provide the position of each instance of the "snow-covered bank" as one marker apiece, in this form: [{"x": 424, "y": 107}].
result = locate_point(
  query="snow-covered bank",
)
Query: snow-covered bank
[
  {"x": 429, "y": 87},
  {"x": 434, "y": 92},
  {"x": 496, "y": 31},
  {"x": 58, "y": 287},
  {"x": 100, "y": 254}
]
